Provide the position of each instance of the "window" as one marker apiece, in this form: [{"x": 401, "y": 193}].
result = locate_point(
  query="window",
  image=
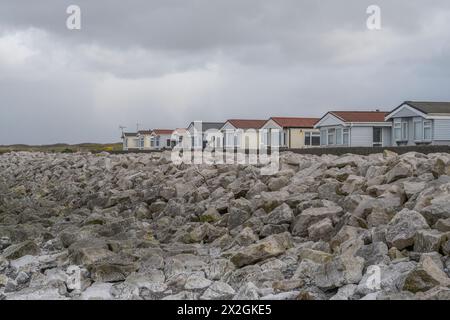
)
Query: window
[
  {"x": 397, "y": 131},
  {"x": 312, "y": 138},
  {"x": 331, "y": 136},
  {"x": 404, "y": 131},
  {"x": 157, "y": 141},
  {"x": 345, "y": 137},
  {"x": 323, "y": 137},
  {"x": 168, "y": 142},
  {"x": 427, "y": 135},
  {"x": 284, "y": 138},
  {"x": 315, "y": 139},
  {"x": 339, "y": 136},
  {"x": 418, "y": 132},
  {"x": 377, "y": 137},
  {"x": 307, "y": 138},
  {"x": 141, "y": 142}
]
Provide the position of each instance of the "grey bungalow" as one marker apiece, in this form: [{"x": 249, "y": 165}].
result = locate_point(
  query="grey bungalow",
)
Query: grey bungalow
[{"x": 417, "y": 123}]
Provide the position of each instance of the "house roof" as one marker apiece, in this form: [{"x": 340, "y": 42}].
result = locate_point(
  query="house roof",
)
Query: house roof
[
  {"x": 129, "y": 134},
  {"x": 209, "y": 125},
  {"x": 286, "y": 122},
  {"x": 180, "y": 130},
  {"x": 144, "y": 131},
  {"x": 162, "y": 131},
  {"x": 360, "y": 116},
  {"x": 429, "y": 107},
  {"x": 246, "y": 124}
]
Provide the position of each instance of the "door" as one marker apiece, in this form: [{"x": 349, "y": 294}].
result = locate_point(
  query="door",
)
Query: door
[{"x": 377, "y": 137}]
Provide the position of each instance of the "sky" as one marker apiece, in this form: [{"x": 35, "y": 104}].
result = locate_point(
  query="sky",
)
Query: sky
[{"x": 165, "y": 63}]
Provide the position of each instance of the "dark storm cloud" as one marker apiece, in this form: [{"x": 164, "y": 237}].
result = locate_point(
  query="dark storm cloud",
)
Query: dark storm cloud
[{"x": 164, "y": 63}]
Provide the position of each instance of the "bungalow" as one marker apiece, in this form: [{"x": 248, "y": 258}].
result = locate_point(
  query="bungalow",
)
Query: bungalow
[
  {"x": 354, "y": 129},
  {"x": 294, "y": 133},
  {"x": 161, "y": 139},
  {"x": 242, "y": 134},
  {"x": 144, "y": 139},
  {"x": 416, "y": 123},
  {"x": 201, "y": 133},
  {"x": 179, "y": 136},
  {"x": 130, "y": 141}
]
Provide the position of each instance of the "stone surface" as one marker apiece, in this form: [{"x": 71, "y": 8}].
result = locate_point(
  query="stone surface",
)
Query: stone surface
[{"x": 137, "y": 226}]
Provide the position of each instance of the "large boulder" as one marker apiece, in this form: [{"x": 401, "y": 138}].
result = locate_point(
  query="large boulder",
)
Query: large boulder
[
  {"x": 426, "y": 276},
  {"x": 399, "y": 171},
  {"x": 269, "y": 247},
  {"x": 313, "y": 215},
  {"x": 428, "y": 240},
  {"x": 19, "y": 250},
  {"x": 280, "y": 215},
  {"x": 402, "y": 229}
]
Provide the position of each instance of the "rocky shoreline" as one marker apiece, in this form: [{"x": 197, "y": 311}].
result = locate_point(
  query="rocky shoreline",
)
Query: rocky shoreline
[{"x": 136, "y": 226}]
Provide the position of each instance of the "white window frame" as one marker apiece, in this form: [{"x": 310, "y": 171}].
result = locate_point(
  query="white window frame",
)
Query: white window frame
[
  {"x": 418, "y": 130},
  {"x": 378, "y": 143},
  {"x": 324, "y": 139},
  {"x": 333, "y": 135},
  {"x": 397, "y": 129},
  {"x": 405, "y": 131},
  {"x": 309, "y": 135},
  {"x": 346, "y": 132},
  {"x": 339, "y": 137},
  {"x": 315, "y": 134},
  {"x": 427, "y": 124}
]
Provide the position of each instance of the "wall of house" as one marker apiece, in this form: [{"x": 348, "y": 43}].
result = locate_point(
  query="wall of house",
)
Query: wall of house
[
  {"x": 441, "y": 130},
  {"x": 132, "y": 142},
  {"x": 387, "y": 137},
  {"x": 147, "y": 145},
  {"x": 296, "y": 138},
  {"x": 163, "y": 141},
  {"x": 361, "y": 136}
]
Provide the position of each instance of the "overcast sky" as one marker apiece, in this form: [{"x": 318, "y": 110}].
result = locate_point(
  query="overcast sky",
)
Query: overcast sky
[{"x": 164, "y": 63}]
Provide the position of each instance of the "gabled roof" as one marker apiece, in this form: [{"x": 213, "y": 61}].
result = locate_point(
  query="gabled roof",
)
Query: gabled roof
[
  {"x": 162, "y": 131},
  {"x": 180, "y": 130},
  {"x": 209, "y": 125},
  {"x": 287, "y": 122},
  {"x": 246, "y": 124},
  {"x": 427, "y": 107},
  {"x": 360, "y": 116}
]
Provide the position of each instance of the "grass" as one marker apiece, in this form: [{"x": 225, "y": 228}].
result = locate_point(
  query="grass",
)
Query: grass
[{"x": 63, "y": 148}]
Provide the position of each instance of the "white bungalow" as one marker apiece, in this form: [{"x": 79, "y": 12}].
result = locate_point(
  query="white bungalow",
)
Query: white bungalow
[
  {"x": 294, "y": 133},
  {"x": 418, "y": 123},
  {"x": 130, "y": 141},
  {"x": 144, "y": 139},
  {"x": 354, "y": 129},
  {"x": 203, "y": 133},
  {"x": 242, "y": 133},
  {"x": 161, "y": 139}
]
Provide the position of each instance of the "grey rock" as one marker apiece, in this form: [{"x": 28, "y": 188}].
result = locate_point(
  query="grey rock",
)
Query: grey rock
[{"x": 403, "y": 228}]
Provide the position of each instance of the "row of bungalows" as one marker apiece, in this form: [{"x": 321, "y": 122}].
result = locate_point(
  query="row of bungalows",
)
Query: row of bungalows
[{"x": 411, "y": 123}]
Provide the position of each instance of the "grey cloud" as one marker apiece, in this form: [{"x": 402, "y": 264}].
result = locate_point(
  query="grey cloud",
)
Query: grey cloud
[{"x": 165, "y": 63}]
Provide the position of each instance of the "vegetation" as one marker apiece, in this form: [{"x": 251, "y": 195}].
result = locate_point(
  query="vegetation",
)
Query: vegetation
[{"x": 64, "y": 148}]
